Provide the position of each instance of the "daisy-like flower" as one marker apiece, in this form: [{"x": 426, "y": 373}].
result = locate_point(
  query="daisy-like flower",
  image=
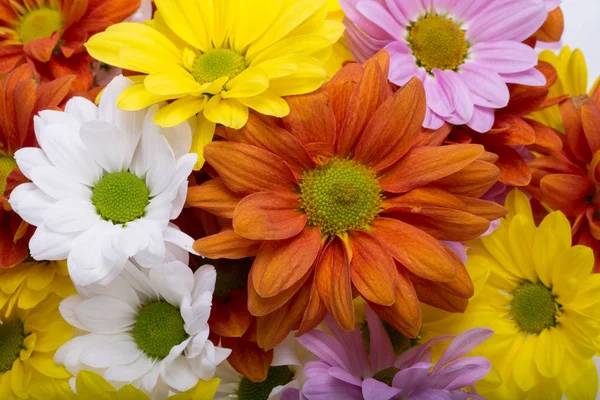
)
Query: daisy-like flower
[
  {"x": 539, "y": 297},
  {"x": 464, "y": 52},
  {"x": 217, "y": 59},
  {"x": 344, "y": 199},
  {"x": 50, "y": 34},
  {"x": 28, "y": 341},
  {"x": 568, "y": 181},
  {"x": 20, "y": 98},
  {"x": 149, "y": 329},
  {"x": 105, "y": 184},
  {"x": 346, "y": 370}
]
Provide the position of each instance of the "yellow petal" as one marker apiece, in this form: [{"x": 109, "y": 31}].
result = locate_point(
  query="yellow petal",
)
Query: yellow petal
[
  {"x": 305, "y": 44},
  {"x": 521, "y": 234},
  {"x": 309, "y": 78},
  {"x": 558, "y": 222},
  {"x": 253, "y": 20},
  {"x": 498, "y": 245},
  {"x": 572, "y": 266},
  {"x": 40, "y": 276},
  {"x": 225, "y": 17},
  {"x": 29, "y": 346},
  {"x": 55, "y": 335},
  {"x": 228, "y": 112},
  {"x": 215, "y": 87},
  {"x": 524, "y": 371},
  {"x": 136, "y": 97},
  {"x": 517, "y": 203},
  {"x": 279, "y": 67},
  {"x": 577, "y": 76},
  {"x": 250, "y": 82},
  {"x": 171, "y": 84},
  {"x": 179, "y": 111},
  {"x": 267, "y": 103},
  {"x": 579, "y": 379},
  {"x": 204, "y": 390},
  {"x": 31, "y": 298},
  {"x": 131, "y": 393},
  {"x": 90, "y": 385},
  {"x": 191, "y": 20},
  {"x": 45, "y": 365},
  {"x": 19, "y": 378},
  {"x": 547, "y": 246},
  {"x": 203, "y": 134},
  {"x": 549, "y": 352},
  {"x": 577, "y": 343}
]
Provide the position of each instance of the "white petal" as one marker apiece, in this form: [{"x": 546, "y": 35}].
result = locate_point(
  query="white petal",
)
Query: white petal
[
  {"x": 173, "y": 281},
  {"x": 140, "y": 282},
  {"x": 110, "y": 350},
  {"x": 179, "y": 201},
  {"x": 131, "y": 372},
  {"x": 204, "y": 365},
  {"x": 71, "y": 215},
  {"x": 51, "y": 117},
  {"x": 67, "y": 311},
  {"x": 179, "y": 138},
  {"x": 198, "y": 342},
  {"x": 105, "y": 315},
  {"x": 148, "y": 145},
  {"x": 120, "y": 288},
  {"x": 178, "y": 374},
  {"x": 205, "y": 279},
  {"x": 81, "y": 109},
  {"x": 149, "y": 380},
  {"x": 59, "y": 185},
  {"x": 30, "y": 203},
  {"x": 173, "y": 235},
  {"x": 46, "y": 244},
  {"x": 106, "y": 143},
  {"x": 131, "y": 239},
  {"x": 30, "y": 157}
]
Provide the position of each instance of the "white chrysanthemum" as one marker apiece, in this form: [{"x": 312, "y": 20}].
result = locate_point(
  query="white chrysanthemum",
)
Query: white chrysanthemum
[
  {"x": 286, "y": 372},
  {"x": 105, "y": 185},
  {"x": 147, "y": 328}
]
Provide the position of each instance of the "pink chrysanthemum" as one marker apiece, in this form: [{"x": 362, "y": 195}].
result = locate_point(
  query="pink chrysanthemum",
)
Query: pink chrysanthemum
[{"x": 464, "y": 51}]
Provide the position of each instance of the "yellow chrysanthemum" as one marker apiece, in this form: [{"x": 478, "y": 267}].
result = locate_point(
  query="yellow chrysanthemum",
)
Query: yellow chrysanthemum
[
  {"x": 542, "y": 302},
  {"x": 216, "y": 59},
  {"x": 572, "y": 80},
  {"x": 90, "y": 385},
  {"x": 341, "y": 53},
  {"x": 30, "y": 282},
  {"x": 28, "y": 341}
]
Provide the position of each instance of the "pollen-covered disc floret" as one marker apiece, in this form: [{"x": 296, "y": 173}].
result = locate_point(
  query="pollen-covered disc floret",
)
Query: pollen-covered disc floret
[
  {"x": 340, "y": 196},
  {"x": 159, "y": 328},
  {"x": 120, "y": 197},
  {"x": 278, "y": 376},
  {"x": 11, "y": 343},
  {"x": 217, "y": 63},
  {"x": 534, "y": 307},
  {"x": 39, "y": 23},
  {"x": 437, "y": 42},
  {"x": 7, "y": 164}
]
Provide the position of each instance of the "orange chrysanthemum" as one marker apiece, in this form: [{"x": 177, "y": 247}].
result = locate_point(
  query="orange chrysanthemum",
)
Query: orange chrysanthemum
[
  {"x": 569, "y": 180},
  {"x": 338, "y": 199},
  {"x": 553, "y": 28},
  {"x": 20, "y": 99},
  {"x": 50, "y": 34}
]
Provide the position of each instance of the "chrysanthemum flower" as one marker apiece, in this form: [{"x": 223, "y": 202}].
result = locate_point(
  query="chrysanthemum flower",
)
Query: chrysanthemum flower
[
  {"x": 149, "y": 329},
  {"x": 346, "y": 370},
  {"x": 50, "y": 34},
  {"x": 105, "y": 185},
  {"x": 568, "y": 181},
  {"x": 341, "y": 198},
  {"x": 28, "y": 340},
  {"x": 217, "y": 60},
  {"x": 552, "y": 29},
  {"x": 20, "y": 98},
  {"x": 464, "y": 52},
  {"x": 541, "y": 301}
]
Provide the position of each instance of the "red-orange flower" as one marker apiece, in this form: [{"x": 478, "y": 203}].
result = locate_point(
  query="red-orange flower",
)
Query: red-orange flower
[
  {"x": 20, "y": 99},
  {"x": 554, "y": 26},
  {"x": 337, "y": 199},
  {"x": 50, "y": 34},
  {"x": 568, "y": 181}
]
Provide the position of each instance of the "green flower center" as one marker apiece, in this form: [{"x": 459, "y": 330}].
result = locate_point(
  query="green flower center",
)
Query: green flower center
[
  {"x": 437, "y": 42},
  {"x": 386, "y": 375},
  {"x": 7, "y": 164},
  {"x": 278, "y": 376},
  {"x": 39, "y": 23},
  {"x": 217, "y": 63},
  {"x": 12, "y": 337},
  {"x": 340, "y": 196},
  {"x": 400, "y": 342},
  {"x": 534, "y": 307},
  {"x": 158, "y": 329},
  {"x": 120, "y": 197}
]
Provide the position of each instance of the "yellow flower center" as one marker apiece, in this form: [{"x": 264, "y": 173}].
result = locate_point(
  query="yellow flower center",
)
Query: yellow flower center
[
  {"x": 39, "y": 23},
  {"x": 7, "y": 164},
  {"x": 12, "y": 337},
  {"x": 278, "y": 376},
  {"x": 217, "y": 63},
  {"x": 534, "y": 307},
  {"x": 340, "y": 196},
  {"x": 437, "y": 42}
]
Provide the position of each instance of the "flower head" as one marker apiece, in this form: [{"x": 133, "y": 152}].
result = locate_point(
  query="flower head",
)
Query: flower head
[
  {"x": 50, "y": 34},
  {"x": 347, "y": 370},
  {"x": 464, "y": 52},
  {"x": 148, "y": 329},
  {"x": 105, "y": 184},
  {"x": 537, "y": 294},
  {"x": 341, "y": 198},
  {"x": 217, "y": 63}
]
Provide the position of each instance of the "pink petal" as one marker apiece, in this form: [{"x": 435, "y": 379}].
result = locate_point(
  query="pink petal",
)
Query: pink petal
[
  {"x": 457, "y": 248},
  {"x": 462, "y": 345},
  {"x": 325, "y": 387},
  {"x": 381, "y": 349},
  {"x": 552, "y": 4},
  {"x": 464, "y": 103},
  {"x": 531, "y": 77},
  {"x": 353, "y": 345},
  {"x": 504, "y": 56},
  {"x": 440, "y": 97},
  {"x": 483, "y": 119},
  {"x": 468, "y": 10},
  {"x": 410, "y": 8},
  {"x": 361, "y": 45},
  {"x": 487, "y": 88},
  {"x": 345, "y": 376},
  {"x": 411, "y": 379},
  {"x": 327, "y": 348},
  {"x": 432, "y": 120},
  {"x": 419, "y": 354},
  {"x": 314, "y": 368},
  {"x": 442, "y": 6},
  {"x": 375, "y": 390},
  {"x": 460, "y": 373},
  {"x": 379, "y": 15},
  {"x": 403, "y": 66},
  {"x": 396, "y": 12},
  {"x": 370, "y": 27}
]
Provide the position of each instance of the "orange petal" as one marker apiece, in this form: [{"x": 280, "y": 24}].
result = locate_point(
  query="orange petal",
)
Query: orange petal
[
  {"x": 268, "y": 216},
  {"x": 567, "y": 193},
  {"x": 405, "y": 314},
  {"x": 24, "y": 101},
  {"x": 416, "y": 250},
  {"x": 371, "y": 92},
  {"x": 553, "y": 28},
  {"x": 486, "y": 209},
  {"x": 570, "y": 112},
  {"x": 515, "y": 132},
  {"x": 428, "y": 137},
  {"x": 274, "y": 139},
  {"x": 280, "y": 264},
  {"x": 226, "y": 244},
  {"x": 590, "y": 119},
  {"x": 423, "y": 165},
  {"x": 333, "y": 283},
  {"x": 594, "y": 169},
  {"x": 41, "y": 49},
  {"x": 214, "y": 197},
  {"x": 315, "y": 310},
  {"x": 11, "y": 253},
  {"x": 394, "y": 127},
  {"x": 10, "y": 56},
  {"x": 340, "y": 88},
  {"x": 229, "y": 316},
  {"x": 248, "y": 169},
  {"x": 372, "y": 269},
  {"x": 260, "y": 306},
  {"x": 473, "y": 180},
  {"x": 248, "y": 359},
  {"x": 77, "y": 65},
  {"x": 311, "y": 118},
  {"x": 513, "y": 169},
  {"x": 51, "y": 94},
  {"x": 423, "y": 197}
]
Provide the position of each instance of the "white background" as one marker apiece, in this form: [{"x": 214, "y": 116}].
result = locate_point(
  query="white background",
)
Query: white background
[{"x": 582, "y": 30}]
